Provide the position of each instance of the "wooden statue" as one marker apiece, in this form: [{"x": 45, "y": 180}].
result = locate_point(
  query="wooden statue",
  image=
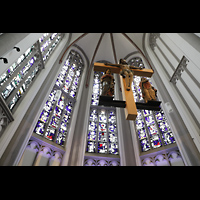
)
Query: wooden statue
[
  {"x": 128, "y": 100},
  {"x": 149, "y": 93},
  {"x": 107, "y": 95},
  {"x": 107, "y": 81},
  {"x": 126, "y": 72}
]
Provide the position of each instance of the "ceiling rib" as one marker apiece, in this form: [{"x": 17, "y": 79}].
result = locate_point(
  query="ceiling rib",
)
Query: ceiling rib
[
  {"x": 91, "y": 63},
  {"x": 133, "y": 43},
  {"x": 83, "y": 35},
  {"x": 113, "y": 47}
]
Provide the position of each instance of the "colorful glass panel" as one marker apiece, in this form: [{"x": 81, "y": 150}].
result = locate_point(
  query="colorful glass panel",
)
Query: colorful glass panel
[
  {"x": 54, "y": 120},
  {"x": 102, "y": 123},
  {"x": 151, "y": 126}
]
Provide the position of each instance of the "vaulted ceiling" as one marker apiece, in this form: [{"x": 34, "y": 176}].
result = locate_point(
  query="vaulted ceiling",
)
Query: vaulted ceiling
[{"x": 107, "y": 46}]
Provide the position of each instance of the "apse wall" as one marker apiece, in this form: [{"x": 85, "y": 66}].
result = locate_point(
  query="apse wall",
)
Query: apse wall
[{"x": 175, "y": 59}]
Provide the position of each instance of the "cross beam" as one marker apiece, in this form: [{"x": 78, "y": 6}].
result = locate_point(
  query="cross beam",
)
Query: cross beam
[
  {"x": 101, "y": 67},
  {"x": 130, "y": 109}
]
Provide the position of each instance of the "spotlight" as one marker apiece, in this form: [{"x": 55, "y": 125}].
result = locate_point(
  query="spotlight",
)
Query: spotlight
[
  {"x": 5, "y": 60},
  {"x": 17, "y": 48}
]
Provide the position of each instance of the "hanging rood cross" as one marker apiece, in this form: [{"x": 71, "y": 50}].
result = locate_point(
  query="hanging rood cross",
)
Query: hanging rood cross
[{"x": 127, "y": 71}]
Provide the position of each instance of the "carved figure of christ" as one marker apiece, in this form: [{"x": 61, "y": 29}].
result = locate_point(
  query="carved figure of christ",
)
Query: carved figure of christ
[{"x": 130, "y": 109}]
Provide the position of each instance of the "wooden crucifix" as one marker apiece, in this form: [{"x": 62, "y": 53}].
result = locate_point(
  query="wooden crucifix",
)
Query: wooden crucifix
[{"x": 130, "y": 109}]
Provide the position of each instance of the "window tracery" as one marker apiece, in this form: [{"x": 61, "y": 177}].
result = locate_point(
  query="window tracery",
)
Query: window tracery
[
  {"x": 19, "y": 76},
  {"x": 102, "y": 128},
  {"x": 151, "y": 126},
  {"x": 54, "y": 120}
]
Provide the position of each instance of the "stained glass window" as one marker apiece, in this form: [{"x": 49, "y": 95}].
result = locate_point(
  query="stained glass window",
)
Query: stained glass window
[
  {"x": 102, "y": 127},
  {"x": 96, "y": 88},
  {"x": 48, "y": 43},
  {"x": 20, "y": 75},
  {"x": 102, "y": 131},
  {"x": 151, "y": 126},
  {"x": 54, "y": 121}
]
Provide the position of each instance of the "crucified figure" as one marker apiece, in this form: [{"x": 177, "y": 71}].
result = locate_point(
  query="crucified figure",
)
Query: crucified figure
[{"x": 126, "y": 71}]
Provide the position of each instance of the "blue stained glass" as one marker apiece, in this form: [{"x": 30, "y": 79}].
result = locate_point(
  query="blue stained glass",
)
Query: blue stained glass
[
  {"x": 57, "y": 112},
  {"x": 31, "y": 61},
  {"x": 44, "y": 116},
  {"x": 50, "y": 133},
  {"x": 93, "y": 115},
  {"x": 76, "y": 80},
  {"x": 54, "y": 122},
  {"x": 111, "y": 113},
  {"x": 71, "y": 73},
  {"x": 91, "y": 146},
  {"x": 139, "y": 123},
  {"x": 92, "y": 135},
  {"x": 61, "y": 137},
  {"x": 156, "y": 141},
  {"x": 112, "y": 137},
  {"x": 102, "y": 147},
  {"x": 145, "y": 145},
  {"x": 96, "y": 86},
  {"x": 63, "y": 126},
  {"x": 133, "y": 87},
  {"x": 102, "y": 137},
  {"x": 160, "y": 115},
  {"x": 65, "y": 88},
  {"x": 65, "y": 67},
  {"x": 62, "y": 73},
  {"x": 96, "y": 81},
  {"x": 137, "y": 80},
  {"x": 58, "y": 82},
  {"x": 78, "y": 73},
  {"x": 142, "y": 133},
  {"x": 73, "y": 66},
  {"x": 164, "y": 126},
  {"x": 112, "y": 127},
  {"x": 105, "y": 120},
  {"x": 149, "y": 120},
  {"x": 52, "y": 96},
  {"x": 73, "y": 88},
  {"x": 135, "y": 96},
  {"x": 95, "y": 90},
  {"x": 95, "y": 99},
  {"x": 147, "y": 112},
  {"x": 66, "y": 118},
  {"x": 139, "y": 116},
  {"x": 72, "y": 93},
  {"x": 39, "y": 129},
  {"x": 61, "y": 102},
  {"x": 102, "y": 127},
  {"x": 112, "y": 119},
  {"x": 168, "y": 138},
  {"x": 113, "y": 148},
  {"x": 69, "y": 108},
  {"x": 152, "y": 130},
  {"x": 68, "y": 81},
  {"x": 139, "y": 90},
  {"x": 102, "y": 117},
  {"x": 92, "y": 126}
]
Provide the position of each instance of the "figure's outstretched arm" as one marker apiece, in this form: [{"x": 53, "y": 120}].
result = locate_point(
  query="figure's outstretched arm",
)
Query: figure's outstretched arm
[
  {"x": 133, "y": 67},
  {"x": 116, "y": 65}
]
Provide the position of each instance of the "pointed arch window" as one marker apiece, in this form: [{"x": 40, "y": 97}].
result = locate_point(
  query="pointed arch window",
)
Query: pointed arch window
[
  {"x": 54, "y": 121},
  {"x": 151, "y": 126},
  {"x": 102, "y": 128},
  {"x": 16, "y": 80}
]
